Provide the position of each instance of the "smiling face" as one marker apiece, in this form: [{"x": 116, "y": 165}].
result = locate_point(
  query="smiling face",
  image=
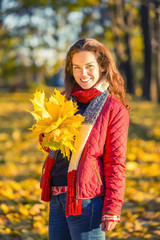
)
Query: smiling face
[{"x": 86, "y": 70}]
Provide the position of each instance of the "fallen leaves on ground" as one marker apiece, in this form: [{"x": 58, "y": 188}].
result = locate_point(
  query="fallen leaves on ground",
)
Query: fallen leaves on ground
[{"x": 24, "y": 216}]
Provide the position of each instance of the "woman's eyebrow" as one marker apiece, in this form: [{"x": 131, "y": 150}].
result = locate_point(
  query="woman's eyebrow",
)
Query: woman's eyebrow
[
  {"x": 75, "y": 64},
  {"x": 85, "y": 64},
  {"x": 89, "y": 63}
]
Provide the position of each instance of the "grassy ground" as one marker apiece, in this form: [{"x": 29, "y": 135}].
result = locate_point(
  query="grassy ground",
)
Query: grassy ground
[{"x": 24, "y": 216}]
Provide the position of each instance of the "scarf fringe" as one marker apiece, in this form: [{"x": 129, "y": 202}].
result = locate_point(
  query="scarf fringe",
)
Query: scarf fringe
[
  {"x": 73, "y": 205},
  {"x": 46, "y": 189}
]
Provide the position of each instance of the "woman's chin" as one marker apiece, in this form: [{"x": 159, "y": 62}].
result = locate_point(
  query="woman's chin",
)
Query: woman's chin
[{"x": 86, "y": 85}]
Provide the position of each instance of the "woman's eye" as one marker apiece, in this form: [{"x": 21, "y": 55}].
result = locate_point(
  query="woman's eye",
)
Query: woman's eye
[
  {"x": 76, "y": 67},
  {"x": 90, "y": 66}
]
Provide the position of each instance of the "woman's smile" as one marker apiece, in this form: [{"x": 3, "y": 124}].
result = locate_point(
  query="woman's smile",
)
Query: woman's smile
[{"x": 86, "y": 79}]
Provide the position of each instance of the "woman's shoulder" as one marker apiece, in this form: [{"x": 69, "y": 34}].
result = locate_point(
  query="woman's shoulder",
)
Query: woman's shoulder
[
  {"x": 114, "y": 102},
  {"x": 114, "y": 107}
]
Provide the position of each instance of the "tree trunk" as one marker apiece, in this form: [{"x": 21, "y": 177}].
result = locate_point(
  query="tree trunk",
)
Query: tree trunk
[
  {"x": 146, "y": 85},
  {"x": 120, "y": 22},
  {"x": 157, "y": 38},
  {"x": 128, "y": 63}
]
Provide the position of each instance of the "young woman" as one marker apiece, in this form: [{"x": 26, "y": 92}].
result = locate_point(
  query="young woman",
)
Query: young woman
[{"x": 86, "y": 193}]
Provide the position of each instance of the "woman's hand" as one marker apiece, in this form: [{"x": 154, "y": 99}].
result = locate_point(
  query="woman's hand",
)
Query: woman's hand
[
  {"x": 109, "y": 221},
  {"x": 41, "y": 136},
  {"x": 108, "y": 226}
]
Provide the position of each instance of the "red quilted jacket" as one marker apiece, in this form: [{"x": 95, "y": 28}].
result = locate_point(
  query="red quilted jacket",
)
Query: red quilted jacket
[{"x": 101, "y": 170}]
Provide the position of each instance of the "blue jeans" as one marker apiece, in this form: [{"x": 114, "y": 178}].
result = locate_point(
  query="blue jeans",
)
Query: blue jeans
[{"x": 86, "y": 226}]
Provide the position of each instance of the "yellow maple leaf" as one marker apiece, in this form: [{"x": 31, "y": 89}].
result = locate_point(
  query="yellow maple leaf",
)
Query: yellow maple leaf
[{"x": 39, "y": 106}]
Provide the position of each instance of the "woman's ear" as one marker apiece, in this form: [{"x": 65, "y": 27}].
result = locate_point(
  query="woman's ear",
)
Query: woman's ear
[
  {"x": 103, "y": 72},
  {"x": 102, "y": 69}
]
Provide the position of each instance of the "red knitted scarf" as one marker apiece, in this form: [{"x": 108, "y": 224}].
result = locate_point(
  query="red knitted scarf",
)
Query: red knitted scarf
[{"x": 84, "y": 95}]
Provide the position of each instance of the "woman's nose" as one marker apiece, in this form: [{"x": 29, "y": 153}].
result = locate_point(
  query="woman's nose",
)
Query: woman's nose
[{"x": 84, "y": 71}]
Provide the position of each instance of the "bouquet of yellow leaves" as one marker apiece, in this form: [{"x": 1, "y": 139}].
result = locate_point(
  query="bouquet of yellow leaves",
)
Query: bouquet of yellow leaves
[{"x": 55, "y": 118}]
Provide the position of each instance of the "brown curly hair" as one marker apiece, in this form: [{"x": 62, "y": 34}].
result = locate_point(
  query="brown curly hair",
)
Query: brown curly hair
[{"x": 106, "y": 62}]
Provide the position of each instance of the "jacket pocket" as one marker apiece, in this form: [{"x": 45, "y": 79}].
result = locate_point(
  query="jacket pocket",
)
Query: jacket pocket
[{"x": 97, "y": 173}]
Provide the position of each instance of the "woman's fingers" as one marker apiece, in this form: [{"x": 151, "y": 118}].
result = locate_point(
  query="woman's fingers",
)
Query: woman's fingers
[
  {"x": 103, "y": 226},
  {"x": 111, "y": 226},
  {"x": 108, "y": 226}
]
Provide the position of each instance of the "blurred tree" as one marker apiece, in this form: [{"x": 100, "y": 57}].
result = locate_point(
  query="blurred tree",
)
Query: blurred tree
[
  {"x": 150, "y": 22},
  {"x": 122, "y": 24},
  {"x": 156, "y": 51},
  {"x": 144, "y": 12}
]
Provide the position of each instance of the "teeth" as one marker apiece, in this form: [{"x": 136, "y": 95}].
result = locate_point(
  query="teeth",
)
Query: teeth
[{"x": 85, "y": 80}]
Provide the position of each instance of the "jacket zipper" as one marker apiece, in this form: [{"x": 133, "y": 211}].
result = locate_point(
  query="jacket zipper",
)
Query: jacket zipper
[
  {"x": 76, "y": 193},
  {"x": 76, "y": 200},
  {"x": 97, "y": 173}
]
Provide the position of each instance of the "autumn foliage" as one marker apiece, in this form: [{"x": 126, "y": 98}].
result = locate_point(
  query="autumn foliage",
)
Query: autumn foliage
[
  {"x": 56, "y": 120},
  {"x": 24, "y": 216}
]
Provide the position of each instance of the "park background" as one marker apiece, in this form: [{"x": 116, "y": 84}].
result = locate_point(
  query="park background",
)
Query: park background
[{"x": 34, "y": 39}]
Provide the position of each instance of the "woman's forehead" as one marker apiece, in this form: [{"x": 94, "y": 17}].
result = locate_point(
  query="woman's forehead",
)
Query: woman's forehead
[{"x": 83, "y": 57}]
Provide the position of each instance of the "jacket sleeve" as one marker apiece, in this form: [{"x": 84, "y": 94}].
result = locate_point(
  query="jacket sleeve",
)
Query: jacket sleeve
[{"x": 114, "y": 160}]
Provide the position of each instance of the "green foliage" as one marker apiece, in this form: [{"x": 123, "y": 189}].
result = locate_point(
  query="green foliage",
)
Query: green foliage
[{"x": 24, "y": 216}]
